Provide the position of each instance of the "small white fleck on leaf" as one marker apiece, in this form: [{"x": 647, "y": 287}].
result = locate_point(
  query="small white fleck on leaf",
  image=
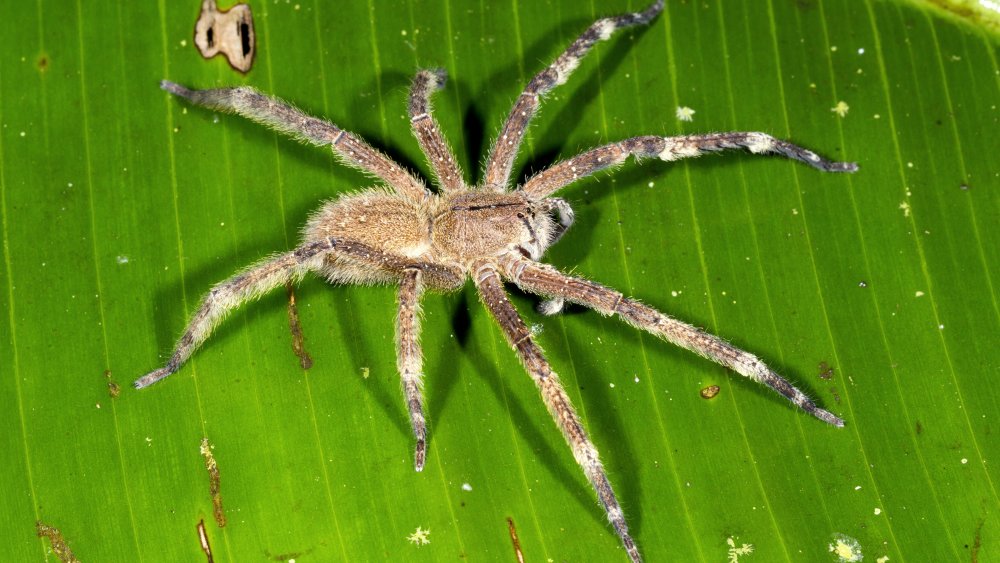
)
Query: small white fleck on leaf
[
  {"x": 419, "y": 537},
  {"x": 685, "y": 113},
  {"x": 841, "y": 108},
  {"x": 846, "y": 548},
  {"x": 735, "y": 552}
]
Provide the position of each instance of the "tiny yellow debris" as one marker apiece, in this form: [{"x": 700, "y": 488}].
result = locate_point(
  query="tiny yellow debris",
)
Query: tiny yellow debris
[
  {"x": 841, "y": 108},
  {"x": 846, "y": 548},
  {"x": 734, "y": 552},
  {"x": 685, "y": 113},
  {"x": 420, "y": 537}
]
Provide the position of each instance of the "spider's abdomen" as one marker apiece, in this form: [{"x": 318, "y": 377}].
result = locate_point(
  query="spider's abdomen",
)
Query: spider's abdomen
[
  {"x": 386, "y": 222},
  {"x": 383, "y": 221}
]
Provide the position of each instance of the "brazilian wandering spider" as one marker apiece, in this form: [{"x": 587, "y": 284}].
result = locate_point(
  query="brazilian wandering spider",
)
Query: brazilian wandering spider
[{"x": 404, "y": 234}]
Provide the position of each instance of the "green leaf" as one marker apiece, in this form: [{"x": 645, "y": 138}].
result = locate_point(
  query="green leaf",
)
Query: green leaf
[{"x": 876, "y": 292}]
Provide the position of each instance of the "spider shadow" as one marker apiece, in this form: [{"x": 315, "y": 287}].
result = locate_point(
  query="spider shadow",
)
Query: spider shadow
[
  {"x": 600, "y": 412},
  {"x": 461, "y": 325},
  {"x": 385, "y": 391},
  {"x": 446, "y": 372},
  {"x": 539, "y": 441}
]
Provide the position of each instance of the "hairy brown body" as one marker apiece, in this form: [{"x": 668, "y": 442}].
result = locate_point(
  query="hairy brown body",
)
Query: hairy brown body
[
  {"x": 452, "y": 230},
  {"x": 404, "y": 234}
]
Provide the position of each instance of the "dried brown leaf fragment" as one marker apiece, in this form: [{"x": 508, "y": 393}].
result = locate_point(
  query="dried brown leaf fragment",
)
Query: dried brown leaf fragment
[{"x": 229, "y": 32}]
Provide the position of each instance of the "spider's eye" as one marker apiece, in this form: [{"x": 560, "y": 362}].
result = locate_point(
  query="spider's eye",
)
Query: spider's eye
[{"x": 520, "y": 215}]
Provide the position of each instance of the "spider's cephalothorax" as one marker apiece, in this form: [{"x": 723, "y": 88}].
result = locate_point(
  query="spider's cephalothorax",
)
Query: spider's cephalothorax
[
  {"x": 454, "y": 230},
  {"x": 404, "y": 234}
]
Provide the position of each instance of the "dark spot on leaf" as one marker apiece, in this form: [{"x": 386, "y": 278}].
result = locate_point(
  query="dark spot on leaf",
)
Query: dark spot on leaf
[{"x": 825, "y": 371}]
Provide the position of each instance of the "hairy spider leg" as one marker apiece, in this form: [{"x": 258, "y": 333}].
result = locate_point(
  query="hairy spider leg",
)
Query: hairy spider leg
[
  {"x": 409, "y": 359},
  {"x": 566, "y": 172},
  {"x": 491, "y": 291},
  {"x": 273, "y": 272},
  {"x": 428, "y": 133},
  {"x": 505, "y": 148},
  {"x": 283, "y": 117},
  {"x": 542, "y": 279},
  {"x": 249, "y": 284}
]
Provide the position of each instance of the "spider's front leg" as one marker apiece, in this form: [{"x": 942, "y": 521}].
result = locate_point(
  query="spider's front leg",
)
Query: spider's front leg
[
  {"x": 669, "y": 149},
  {"x": 409, "y": 359},
  {"x": 542, "y": 279},
  {"x": 505, "y": 148},
  {"x": 428, "y": 132},
  {"x": 494, "y": 296}
]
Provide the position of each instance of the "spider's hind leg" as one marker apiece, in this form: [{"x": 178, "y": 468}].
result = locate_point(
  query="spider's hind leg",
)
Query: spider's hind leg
[
  {"x": 409, "y": 359},
  {"x": 542, "y": 279},
  {"x": 278, "y": 115},
  {"x": 491, "y": 290},
  {"x": 230, "y": 294}
]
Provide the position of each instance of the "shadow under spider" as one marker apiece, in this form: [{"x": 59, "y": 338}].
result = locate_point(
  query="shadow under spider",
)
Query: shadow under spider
[
  {"x": 539, "y": 439},
  {"x": 384, "y": 389},
  {"x": 618, "y": 453}
]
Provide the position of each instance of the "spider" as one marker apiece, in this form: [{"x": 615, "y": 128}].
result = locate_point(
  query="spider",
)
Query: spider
[{"x": 402, "y": 233}]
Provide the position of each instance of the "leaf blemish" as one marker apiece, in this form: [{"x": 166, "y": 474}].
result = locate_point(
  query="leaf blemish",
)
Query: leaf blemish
[
  {"x": 298, "y": 340},
  {"x": 113, "y": 388},
  {"x": 214, "y": 487},
  {"x": 419, "y": 537},
  {"x": 203, "y": 540},
  {"x": 514, "y": 540},
  {"x": 59, "y": 546},
  {"x": 735, "y": 552},
  {"x": 846, "y": 548},
  {"x": 825, "y": 371},
  {"x": 229, "y": 32}
]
